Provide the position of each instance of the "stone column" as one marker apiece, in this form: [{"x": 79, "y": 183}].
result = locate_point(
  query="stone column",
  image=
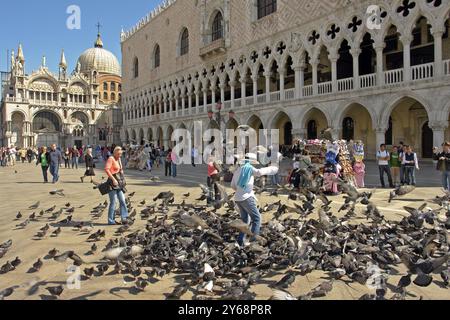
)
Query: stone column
[
  {"x": 380, "y": 62},
  {"x": 355, "y": 55},
  {"x": 222, "y": 92},
  {"x": 213, "y": 94},
  {"x": 438, "y": 128},
  {"x": 282, "y": 73},
  {"x": 438, "y": 65},
  {"x": 243, "y": 92},
  {"x": 406, "y": 40},
  {"x": 267, "y": 74},
  {"x": 255, "y": 89},
  {"x": 233, "y": 94},
  {"x": 380, "y": 136},
  {"x": 298, "y": 84},
  {"x": 315, "y": 64},
  {"x": 205, "y": 97},
  {"x": 334, "y": 58}
]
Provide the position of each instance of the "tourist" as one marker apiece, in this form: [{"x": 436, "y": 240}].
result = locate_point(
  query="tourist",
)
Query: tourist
[
  {"x": 213, "y": 180},
  {"x": 30, "y": 155},
  {"x": 44, "y": 160},
  {"x": 275, "y": 179},
  {"x": 66, "y": 158},
  {"x": 243, "y": 183},
  {"x": 148, "y": 157},
  {"x": 383, "y": 158},
  {"x": 443, "y": 164},
  {"x": 411, "y": 164},
  {"x": 401, "y": 152},
  {"x": 168, "y": 163},
  {"x": 12, "y": 156},
  {"x": 55, "y": 161},
  {"x": 75, "y": 155},
  {"x": 194, "y": 156},
  {"x": 23, "y": 155},
  {"x": 90, "y": 165},
  {"x": 395, "y": 162},
  {"x": 114, "y": 170},
  {"x": 360, "y": 171},
  {"x": 173, "y": 159}
]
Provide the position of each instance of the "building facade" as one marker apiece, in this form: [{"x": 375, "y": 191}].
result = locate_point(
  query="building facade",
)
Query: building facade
[
  {"x": 376, "y": 71},
  {"x": 43, "y": 108}
]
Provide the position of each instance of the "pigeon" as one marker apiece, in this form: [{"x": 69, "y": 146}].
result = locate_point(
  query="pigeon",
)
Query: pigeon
[
  {"x": 178, "y": 292},
  {"x": 6, "y": 245},
  {"x": 89, "y": 272},
  {"x": 286, "y": 281},
  {"x": 23, "y": 225},
  {"x": 404, "y": 282},
  {"x": 423, "y": 280},
  {"x": 50, "y": 210},
  {"x": 240, "y": 226},
  {"x": 279, "y": 295},
  {"x": 55, "y": 291},
  {"x": 445, "y": 277},
  {"x": 400, "y": 191},
  {"x": 7, "y": 267},
  {"x": 7, "y": 292},
  {"x": 37, "y": 265},
  {"x": 19, "y": 216},
  {"x": 35, "y": 206},
  {"x": 52, "y": 253},
  {"x": 16, "y": 262},
  {"x": 56, "y": 232}
]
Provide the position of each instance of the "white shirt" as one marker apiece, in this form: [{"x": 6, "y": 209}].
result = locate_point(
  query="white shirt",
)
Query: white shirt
[
  {"x": 382, "y": 154},
  {"x": 247, "y": 192}
]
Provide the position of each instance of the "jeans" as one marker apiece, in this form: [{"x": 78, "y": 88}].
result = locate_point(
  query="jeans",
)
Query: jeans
[
  {"x": 387, "y": 170},
  {"x": 75, "y": 162},
  {"x": 67, "y": 163},
  {"x": 174, "y": 170},
  {"x": 249, "y": 210},
  {"x": 275, "y": 179},
  {"x": 446, "y": 180},
  {"x": 168, "y": 169},
  {"x": 410, "y": 175},
  {"x": 54, "y": 171},
  {"x": 402, "y": 174},
  {"x": 113, "y": 196},
  {"x": 44, "y": 173}
]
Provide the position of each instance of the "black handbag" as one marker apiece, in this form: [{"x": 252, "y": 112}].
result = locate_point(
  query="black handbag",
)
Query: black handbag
[{"x": 105, "y": 188}]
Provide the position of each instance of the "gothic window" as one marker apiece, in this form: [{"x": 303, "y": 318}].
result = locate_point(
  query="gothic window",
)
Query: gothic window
[
  {"x": 184, "y": 43},
  {"x": 266, "y": 7},
  {"x": 348, "y": 129},
  {"x": 105, "y": 86},
  {"x": 157, "y": 57},
  {"x": 136, "y": 67},
  {"x": 217, "y": 27},
  {"x": 105, "y": 96},
  {"x": 113, "y": 96},
  {"x": 113, "y": 86}
]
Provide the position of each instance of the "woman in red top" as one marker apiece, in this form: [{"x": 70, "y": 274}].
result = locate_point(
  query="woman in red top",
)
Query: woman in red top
[{"x": 114, "y": 170}]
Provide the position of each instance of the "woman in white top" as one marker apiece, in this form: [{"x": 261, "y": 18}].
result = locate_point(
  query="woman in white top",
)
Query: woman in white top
[{"x": 243, "y": 183}]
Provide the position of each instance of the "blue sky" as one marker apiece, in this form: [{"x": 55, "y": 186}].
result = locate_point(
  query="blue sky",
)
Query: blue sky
[{"x": 41, "y": 28}]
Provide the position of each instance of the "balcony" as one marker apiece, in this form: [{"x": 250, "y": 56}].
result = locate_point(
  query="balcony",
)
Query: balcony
[
  {"x": 374, "y": 81},
  {"x": 215, "y": 47}
]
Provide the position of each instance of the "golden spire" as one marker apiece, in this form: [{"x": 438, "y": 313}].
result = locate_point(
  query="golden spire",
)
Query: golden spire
[
  {"x": 63, "y": 62},
  {"x": 20, "y": 56},
  {"x": 99, "y": 42}
]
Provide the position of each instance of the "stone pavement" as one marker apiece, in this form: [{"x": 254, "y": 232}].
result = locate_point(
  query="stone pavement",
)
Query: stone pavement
[{"x": 20, "y": 190}]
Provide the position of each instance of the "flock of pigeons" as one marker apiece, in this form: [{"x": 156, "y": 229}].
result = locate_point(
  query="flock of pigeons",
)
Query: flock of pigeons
[{"x": 196, "y": 245}]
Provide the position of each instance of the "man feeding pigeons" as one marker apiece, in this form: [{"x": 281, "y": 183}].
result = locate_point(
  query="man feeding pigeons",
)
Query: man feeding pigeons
[{"x": 243, "y": 183}]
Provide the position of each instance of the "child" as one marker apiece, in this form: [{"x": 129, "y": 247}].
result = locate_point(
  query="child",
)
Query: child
[
  {"x": 332, "y": 169},
  {"x": 360, "y": 171}
]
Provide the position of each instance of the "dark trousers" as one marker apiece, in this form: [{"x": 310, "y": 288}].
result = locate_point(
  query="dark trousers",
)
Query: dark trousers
[
  {"x": 387, "y": 170},
  {"x": 214, "y": 191},
  {"x": 168, "y": 166},
  {"x": 402, "y": 174},
  {"x": 44, "y": 173}
]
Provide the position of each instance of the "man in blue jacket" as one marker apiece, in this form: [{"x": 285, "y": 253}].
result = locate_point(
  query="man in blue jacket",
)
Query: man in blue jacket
[{"x": 55, "y": 160}]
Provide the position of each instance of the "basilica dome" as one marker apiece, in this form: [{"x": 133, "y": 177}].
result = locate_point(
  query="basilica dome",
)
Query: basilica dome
[{"x": 104, "y": 61}]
